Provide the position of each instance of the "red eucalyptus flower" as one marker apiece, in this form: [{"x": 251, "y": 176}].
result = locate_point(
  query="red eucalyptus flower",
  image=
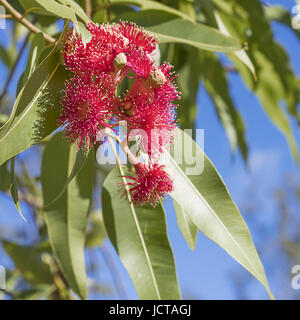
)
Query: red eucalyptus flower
[
  {"x": 96, "y": 56},
  {"x": 90, "y": 103},
  {"x": 149, "y": 107},
  {"x": 153, "y": 121},
  {"x": 139, "y": 62},
  {"x": 137, "y": 36},
  {"x": 168, "y": 91},
  {"x": 87, "y": 108},
  {"x": 150, "y": 184}
]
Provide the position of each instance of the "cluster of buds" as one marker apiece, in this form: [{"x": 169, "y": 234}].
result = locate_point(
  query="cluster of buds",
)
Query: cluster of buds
[{"x": 90, "y": 103}]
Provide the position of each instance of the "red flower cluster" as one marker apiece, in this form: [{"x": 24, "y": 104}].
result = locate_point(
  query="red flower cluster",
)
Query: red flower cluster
[
  {"x": 87, "y": 107},
  {"x": 150, "y": 184},
  {"x": 90, "y": 103}
]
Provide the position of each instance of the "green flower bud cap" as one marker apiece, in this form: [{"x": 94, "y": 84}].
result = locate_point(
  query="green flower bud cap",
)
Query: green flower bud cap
[{"x": 120, "y": 62}]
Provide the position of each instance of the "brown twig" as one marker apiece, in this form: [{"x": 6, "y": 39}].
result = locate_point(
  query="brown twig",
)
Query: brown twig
[
  {"x": 230, "y": 68},
  {"x": 88, "y": 8},
  {"x": 18, "y": 16},
  {"x": 6, "y": 16}
]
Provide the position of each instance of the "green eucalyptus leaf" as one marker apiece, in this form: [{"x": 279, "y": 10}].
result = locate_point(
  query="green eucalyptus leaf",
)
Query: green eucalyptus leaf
[
  {"x": 3, "y": 118},
  {"x": 241, "y": 54},
  {"x": 282, "y": 15},
  {"x": 220, "y": 20},
  {"x": 186, "y": 226},
  {"x": 189, "y": 8},
  {"x": 195, "y": 35},
  {"x": 153, "y": 5},
  {"x": 175, "y": 30},
  {"x": 277, "y": 83},
  {"x": 145, "y": 18},
  {"x": 217, "y": 86},
  {"x": 14, "y": 188},
  {"x": 205, "y": 198},
  {"x": 36, "y": 108},
  {"x": 100, "y": 16},
  {"x": 4, "y": 177},
  {"x": 96, "y": 233},
  {"x": 37, "y": 46},
  {"x": 34, "y": 7},
  {"x": 188, "y": 82},
  {"x": 76, "y": 8},
  {"x": 67, "y": 217},
  {"x": 270, "y": 92},
  {"x": 5, "y": 57},
  {"x": 86, "y": 36},
  {"x": 139, "y": 236},
  {"x": 57, "y": 9},
  {"x": 28, "y": 260},
  {"x": 20, "y": 84},
  {"x": 80, "y": 158},
  {"x": 38, "y": 292}
]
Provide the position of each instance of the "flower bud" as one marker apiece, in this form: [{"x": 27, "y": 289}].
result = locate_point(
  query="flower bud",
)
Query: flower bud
[
  {"x": 120, "y": 62},
  {"x": 155, "y": 79}
]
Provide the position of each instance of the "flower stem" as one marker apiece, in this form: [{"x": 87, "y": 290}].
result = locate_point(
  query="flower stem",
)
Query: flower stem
[
  {"x": 88, "y": 8},
  {"x": 123, "y": 144},
  {"x": 109, "y": 134}
]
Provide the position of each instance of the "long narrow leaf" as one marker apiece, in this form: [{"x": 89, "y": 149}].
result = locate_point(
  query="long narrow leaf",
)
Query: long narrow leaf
[
  {"x": 186, "y": 226},
  {"x": 206, "y": 200},
  {"x": 175, "y": 30},
  {"x": 67, "y": 217},
  {"x": 140, "y": 238},
  {"x": 153, "y": 5},
  {"x": 14, "y": 188},
  {"x": 36, "y": 109}
]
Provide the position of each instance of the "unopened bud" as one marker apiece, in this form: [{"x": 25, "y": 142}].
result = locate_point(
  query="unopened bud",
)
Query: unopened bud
[
  {"x": 120, "y": 62},
  {"x": 155, "y": 79}
]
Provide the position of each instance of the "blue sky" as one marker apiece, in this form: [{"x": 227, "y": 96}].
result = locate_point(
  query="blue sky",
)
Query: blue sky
[{"x": 205, "y": 273}]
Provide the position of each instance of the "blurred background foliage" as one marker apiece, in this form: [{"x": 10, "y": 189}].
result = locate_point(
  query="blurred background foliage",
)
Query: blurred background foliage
[{"x": 262, "y": 63}]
